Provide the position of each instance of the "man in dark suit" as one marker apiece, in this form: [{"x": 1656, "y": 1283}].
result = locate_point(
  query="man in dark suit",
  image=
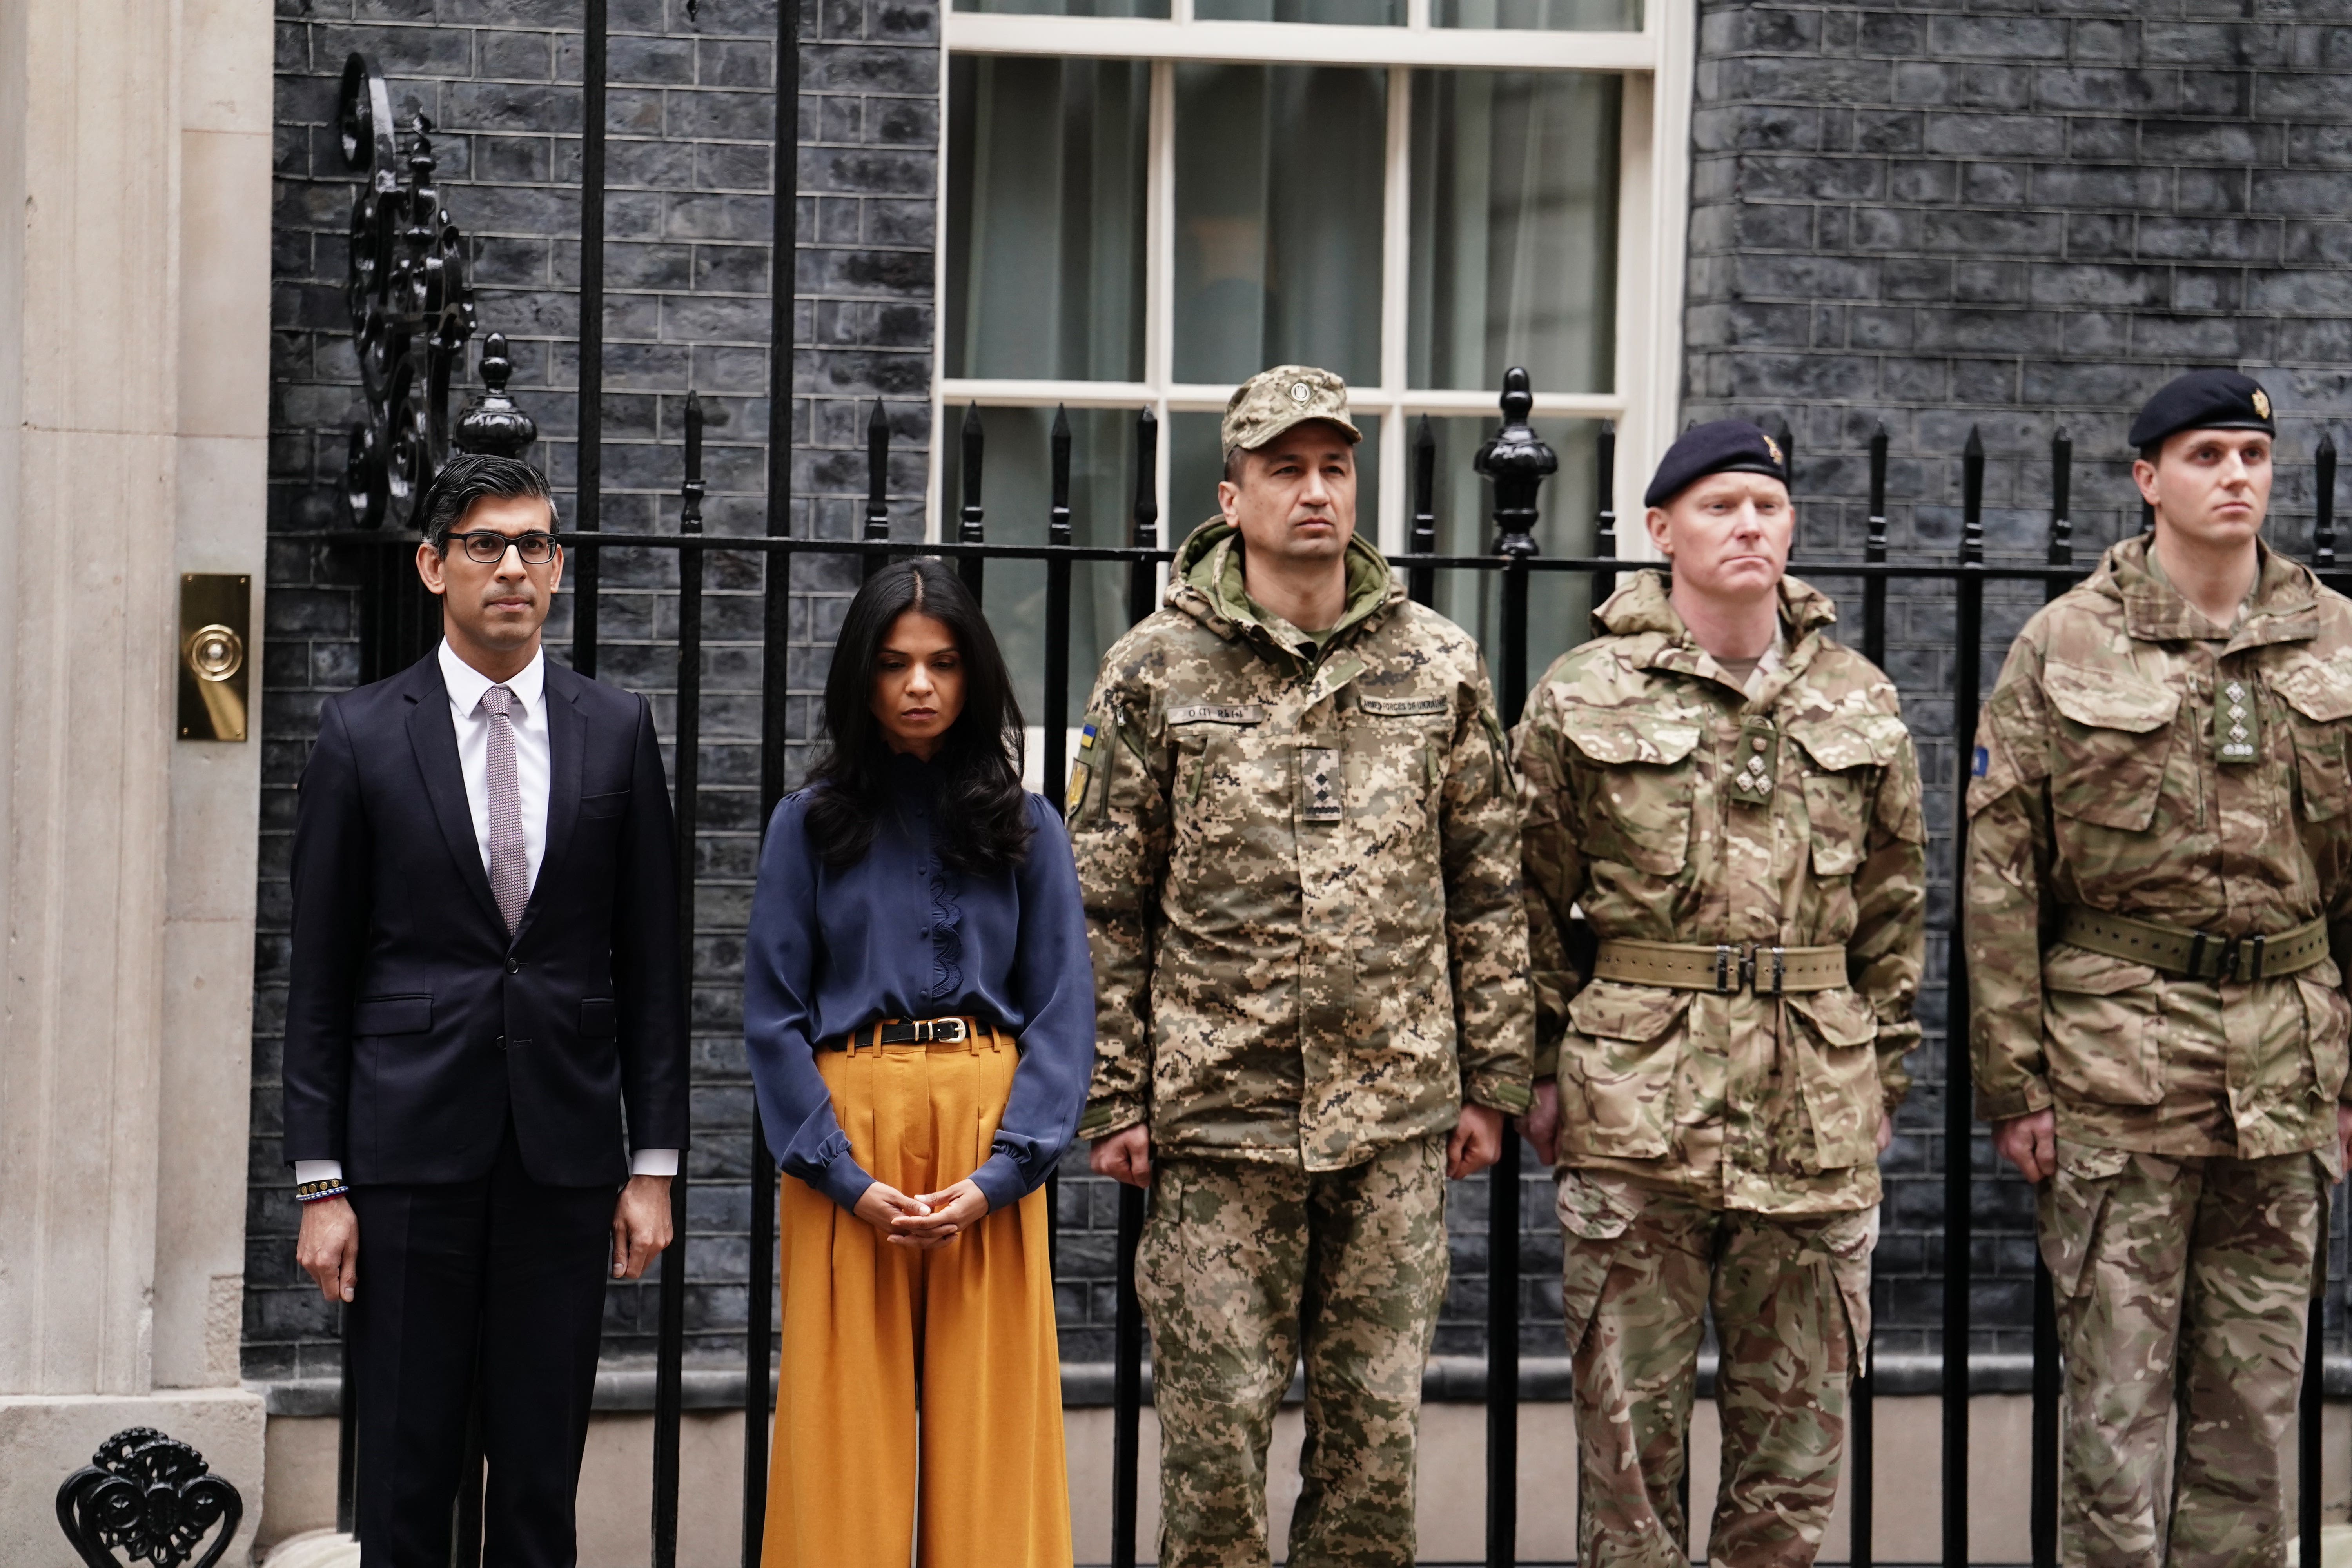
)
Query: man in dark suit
[{"x": 485, "y": 976}]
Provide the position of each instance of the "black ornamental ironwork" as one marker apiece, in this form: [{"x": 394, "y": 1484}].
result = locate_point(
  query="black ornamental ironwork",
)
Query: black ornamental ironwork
[
  {"x": 411, "y": 310},
  {"x": 150, "y": 1497}
]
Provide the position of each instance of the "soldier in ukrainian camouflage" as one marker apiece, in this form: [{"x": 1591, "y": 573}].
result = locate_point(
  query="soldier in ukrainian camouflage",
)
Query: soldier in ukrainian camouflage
[
  {"x": 1729, "y": 798},
  {"x": 1295, "y": 834},
  {"x": 2160, "y": 839}
]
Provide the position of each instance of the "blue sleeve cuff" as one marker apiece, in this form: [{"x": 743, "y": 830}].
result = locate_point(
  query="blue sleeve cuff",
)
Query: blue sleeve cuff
[
  {"x": 1000, "y": 1180},
  {"x": 827, "y": 1167},
  {"x": 845, "y": 1181}
]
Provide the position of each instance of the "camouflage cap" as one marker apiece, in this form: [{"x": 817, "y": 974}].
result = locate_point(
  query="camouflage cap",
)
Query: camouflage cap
[{"x": 1272, "y": 401}]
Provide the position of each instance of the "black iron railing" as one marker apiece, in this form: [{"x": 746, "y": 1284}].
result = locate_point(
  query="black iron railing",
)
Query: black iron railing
[{"x": 397, "y": 627}]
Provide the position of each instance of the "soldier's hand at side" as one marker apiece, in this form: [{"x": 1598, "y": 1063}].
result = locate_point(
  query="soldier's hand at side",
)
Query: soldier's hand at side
[
  {"x": 2343, "y": 1133},
  {"x": 2030, "y": 1142},
  {"x": 1475, "y": 1143},
  {"x": 1541, "y": 1123},
  {"x": 328, "y": 1247},
  {"x": 1886, "y": 1129},
  {"x": 1124, "y": 1156}
]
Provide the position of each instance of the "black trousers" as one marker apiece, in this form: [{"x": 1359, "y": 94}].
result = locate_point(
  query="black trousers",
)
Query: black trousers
[{"x": 505, "y": 1276}]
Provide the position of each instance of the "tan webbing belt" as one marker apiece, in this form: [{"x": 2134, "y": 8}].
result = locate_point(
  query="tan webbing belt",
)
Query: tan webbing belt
[
  {"x": 2195, "y": 955},
  {"x": 1722, "y": 968}
]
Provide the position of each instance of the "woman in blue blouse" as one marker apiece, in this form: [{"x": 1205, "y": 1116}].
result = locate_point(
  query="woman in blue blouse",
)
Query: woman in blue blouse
[{"x": 918, "y": 1009}]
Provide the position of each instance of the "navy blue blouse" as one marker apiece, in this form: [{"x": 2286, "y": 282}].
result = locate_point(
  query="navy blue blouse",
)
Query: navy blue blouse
[{"x": 902, "y": 935}]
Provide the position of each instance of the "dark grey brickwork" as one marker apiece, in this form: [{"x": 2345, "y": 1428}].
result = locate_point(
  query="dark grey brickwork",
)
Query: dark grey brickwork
[
  {"x": 689, "y": 117},
  {"x": 2011, "y": 217}
]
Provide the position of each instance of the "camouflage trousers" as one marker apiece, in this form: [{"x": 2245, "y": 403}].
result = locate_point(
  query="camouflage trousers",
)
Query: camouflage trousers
[
  {"x": 1791, "y": 1301},
  {"x": 2183, "y": 1287},
  {"x": 1242, "y": 1268}
]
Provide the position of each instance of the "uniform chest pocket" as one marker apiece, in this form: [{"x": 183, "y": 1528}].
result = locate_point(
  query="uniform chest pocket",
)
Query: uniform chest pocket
[
  {"x": 1396, "y": 752},
  {"x": 2320, "y": 692},
  {"x": 2112, "y": 740},
  {"x": 1640, "y": 808},
  {"x": 1845, "y": 756}
]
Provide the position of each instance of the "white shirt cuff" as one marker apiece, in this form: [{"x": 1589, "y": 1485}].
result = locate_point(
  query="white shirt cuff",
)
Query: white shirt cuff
[
  {"x": 654, "y": 1162},
  {"x": 317, "y": 1170}
]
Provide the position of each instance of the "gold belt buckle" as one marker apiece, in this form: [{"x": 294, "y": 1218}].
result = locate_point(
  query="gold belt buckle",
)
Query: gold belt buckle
[{"x": 928, "y": 1031}]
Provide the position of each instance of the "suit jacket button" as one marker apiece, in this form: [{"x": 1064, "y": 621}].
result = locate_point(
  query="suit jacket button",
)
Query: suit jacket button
[
  {"x": 502, "y": 1042},
  {"x": 514, "y": 966}
]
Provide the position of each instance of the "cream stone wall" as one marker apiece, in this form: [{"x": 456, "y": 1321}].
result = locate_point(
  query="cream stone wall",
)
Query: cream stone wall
[{"x": 134, "y": 271}]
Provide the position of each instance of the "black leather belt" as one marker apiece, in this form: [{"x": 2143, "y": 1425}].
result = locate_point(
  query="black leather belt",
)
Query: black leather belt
[{"x": 911, "y": 1032}]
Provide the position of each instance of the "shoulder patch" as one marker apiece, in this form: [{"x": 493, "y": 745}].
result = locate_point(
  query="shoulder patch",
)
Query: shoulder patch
[
  {"x": 1218, "y": 713},
  {"x": 1983, "y": 761}
]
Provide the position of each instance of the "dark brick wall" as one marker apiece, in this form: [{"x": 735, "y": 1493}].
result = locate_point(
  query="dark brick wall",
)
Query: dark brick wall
[
  {"x": 2010, "y": 218},
  {"x": 690, "y": 115}
]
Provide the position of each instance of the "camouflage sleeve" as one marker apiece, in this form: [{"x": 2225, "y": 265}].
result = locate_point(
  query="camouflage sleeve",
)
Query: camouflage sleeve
[
  {"x": 1552, "y": 871},
  {"x": 1117, "y": 807},
  {"x": 1889, "y": 947},
  {"x": 2006, "y": 894},
  {"x": 1486, "y": 926}
]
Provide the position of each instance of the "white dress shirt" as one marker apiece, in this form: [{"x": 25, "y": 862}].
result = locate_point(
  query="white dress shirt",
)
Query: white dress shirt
[{"x": 533, "y": 767}]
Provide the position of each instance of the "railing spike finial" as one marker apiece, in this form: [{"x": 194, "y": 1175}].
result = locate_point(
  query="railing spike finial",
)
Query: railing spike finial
[
  {"x": 2323, "y": 523},
  {"x": 690, "y": 493},
  {"x": 493, "y": 422},
  {"x": 1518, "y": 461},
  {"x": 877, "y": 477},
  {"x": 1057, "y": 521},
  {"x": 2061, "y": 487},
  {"x": 1972, "y": 466},
  {"x": 970, "y": 527},
  {"x": 1143, "y": 577},
  {"x": 1421, "y": 581}
]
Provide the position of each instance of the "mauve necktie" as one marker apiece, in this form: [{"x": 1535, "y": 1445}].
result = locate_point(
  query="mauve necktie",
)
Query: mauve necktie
[{"x": 510, "y": 860}]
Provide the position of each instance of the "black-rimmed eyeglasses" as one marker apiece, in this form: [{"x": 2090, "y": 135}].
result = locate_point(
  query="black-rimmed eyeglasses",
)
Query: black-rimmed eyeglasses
[{"x": 490, "y": 548}]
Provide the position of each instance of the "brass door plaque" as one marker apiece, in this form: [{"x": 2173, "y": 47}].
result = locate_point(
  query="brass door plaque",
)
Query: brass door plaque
[{"x": 215, "y": 637}]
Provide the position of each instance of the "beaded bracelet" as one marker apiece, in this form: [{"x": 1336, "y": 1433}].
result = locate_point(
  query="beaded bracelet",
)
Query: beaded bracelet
[{"x": 319, "y": 1192}]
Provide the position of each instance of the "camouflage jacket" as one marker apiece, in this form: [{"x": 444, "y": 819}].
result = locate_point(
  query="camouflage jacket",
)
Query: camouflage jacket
[
  {"x": 2096, "y": 785},
  {"x": 1763, "y": 1103},
  {"x": 1300, "y": 865}
]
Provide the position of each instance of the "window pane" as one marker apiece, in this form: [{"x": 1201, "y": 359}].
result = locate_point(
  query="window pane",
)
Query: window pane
[
  {"x": 1278, "y": 219},
  {"x": 1514, "y": 228},
  {"x": 1196, "y": 463},
  {"x": 1357, "y": 13},
  {"x": 1155, "y": 8},
  {"x": 1016, "y": 485},
  {"x": 1046, "y": 217},
  {"x": 1549, "y": 16},
  {"x": 1558, "y": 604}
]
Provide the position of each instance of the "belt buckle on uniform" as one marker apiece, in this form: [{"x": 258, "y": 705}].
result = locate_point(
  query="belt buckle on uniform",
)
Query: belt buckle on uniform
[
  {"x": 1779, "y": 968},
  {"x": 1730, "y": 968},
  {"x": 928, "y": 1031}
]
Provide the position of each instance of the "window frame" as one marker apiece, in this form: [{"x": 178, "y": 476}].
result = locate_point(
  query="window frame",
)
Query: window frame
[{"x": 1657, "y": 64}]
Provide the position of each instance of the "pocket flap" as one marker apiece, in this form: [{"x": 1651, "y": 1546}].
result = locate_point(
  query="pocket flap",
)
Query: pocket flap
[
  {"x": 392, "y": 1015},
  {"x": 1607, "y": 1009},
  {"x": 1862, "y": 740},
  {"x": 1614, "y": 737},
  {"x": 599, "y": 1019},
  {"x": 2086, "y": 973},
  {"x": 2109, "y": 700},
  {"x": 1843, "y": 1017},
  {"x": 596, "y": 808},
  {"x": 1589, "y": 1210},
  {"x": 2319, "y": 690}
]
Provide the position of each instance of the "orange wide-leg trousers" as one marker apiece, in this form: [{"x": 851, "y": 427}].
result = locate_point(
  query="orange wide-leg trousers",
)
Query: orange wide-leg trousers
[{"x": 918, "y": 1404}]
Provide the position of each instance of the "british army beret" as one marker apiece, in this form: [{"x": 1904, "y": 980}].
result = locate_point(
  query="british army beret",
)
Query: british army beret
[
  {"x": 1721, "y": 446},
  {"x": 2203, "y": 400}
]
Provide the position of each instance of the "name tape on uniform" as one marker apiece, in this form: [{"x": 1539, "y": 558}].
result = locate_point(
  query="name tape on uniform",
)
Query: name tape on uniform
[
  {"x": 1218, "y": 713},
  {"x": 1401, "y": 707}
]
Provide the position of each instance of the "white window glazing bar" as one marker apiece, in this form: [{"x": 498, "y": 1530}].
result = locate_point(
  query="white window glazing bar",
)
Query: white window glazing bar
[
  {"x": 1195, "y": 397},
  {"x": 1297, "y": 43},
  {"x": 1396, "y": 302},
  {"x": 1160, "y": 276}
]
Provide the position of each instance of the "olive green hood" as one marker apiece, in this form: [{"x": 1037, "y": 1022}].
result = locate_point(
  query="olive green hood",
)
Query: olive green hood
[{"x": 1205, "y": 582}]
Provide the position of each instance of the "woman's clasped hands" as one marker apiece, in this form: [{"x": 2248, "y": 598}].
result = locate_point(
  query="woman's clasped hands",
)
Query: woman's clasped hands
[{"x": 932, "y": 1220}]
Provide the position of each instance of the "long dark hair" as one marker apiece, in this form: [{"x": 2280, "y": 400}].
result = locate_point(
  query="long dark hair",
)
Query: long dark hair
[{"x": 983, "y": 824}]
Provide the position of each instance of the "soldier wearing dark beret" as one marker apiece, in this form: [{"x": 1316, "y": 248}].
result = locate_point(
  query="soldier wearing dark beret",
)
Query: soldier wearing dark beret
[
  {"x": 1729, "y": 796},
  {"x": 2159, "y": 840}
]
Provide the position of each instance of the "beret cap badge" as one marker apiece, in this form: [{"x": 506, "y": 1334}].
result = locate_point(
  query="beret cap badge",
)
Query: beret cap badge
[
  {"x": 1774, "y": 448},
  {"x": 2261, "y": 403}
]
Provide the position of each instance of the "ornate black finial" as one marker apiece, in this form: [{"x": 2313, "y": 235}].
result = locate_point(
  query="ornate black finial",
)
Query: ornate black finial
[
  {"x": 1973, "y": 468},
  {"x": 1519, "y": 462},
  {"x": 150, "y": 1497},
  {"x": 492, "y": 423}
]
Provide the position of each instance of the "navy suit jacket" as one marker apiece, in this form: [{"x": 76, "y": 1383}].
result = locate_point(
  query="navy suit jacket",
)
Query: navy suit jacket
[{"x": 415, "y": 1026}]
